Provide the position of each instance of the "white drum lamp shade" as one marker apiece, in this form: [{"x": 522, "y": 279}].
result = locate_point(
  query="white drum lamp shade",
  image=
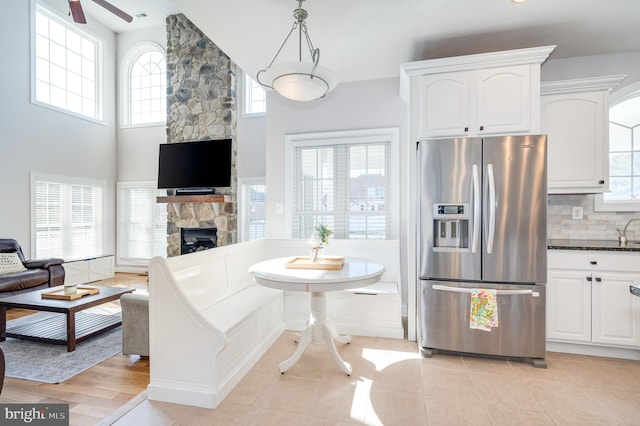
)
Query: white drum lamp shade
[{"x": 298, "y": 80}]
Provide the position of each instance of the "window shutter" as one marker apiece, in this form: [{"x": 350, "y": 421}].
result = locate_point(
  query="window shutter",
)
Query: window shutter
[
  {"x": 253, "y": 214},
  {"x": 68, "y": 219},
  {"x": 142, "y": 223},
  {"x": 345, "y": 186}
]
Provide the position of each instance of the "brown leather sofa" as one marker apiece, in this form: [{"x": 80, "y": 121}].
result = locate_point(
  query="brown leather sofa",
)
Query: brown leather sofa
[{"x": 41, "y": 273}]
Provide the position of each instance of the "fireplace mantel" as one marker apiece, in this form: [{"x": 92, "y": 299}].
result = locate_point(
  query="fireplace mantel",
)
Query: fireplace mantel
[{"x": 220, "y": 198}]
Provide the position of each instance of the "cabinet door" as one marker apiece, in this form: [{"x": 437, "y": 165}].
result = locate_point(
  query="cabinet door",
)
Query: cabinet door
[
  {"x": 443, "y": 105},
  {"x": 503, "y": 100},
  {"x": 568, "y": 306},
  {"x": 575, "y": 125},
  {"x": 616, "y": 312}
]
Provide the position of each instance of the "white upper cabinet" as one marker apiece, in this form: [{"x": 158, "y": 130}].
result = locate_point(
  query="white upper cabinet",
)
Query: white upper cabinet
[
  {"x": 507, "y": 100},
  {"x": 469, "y": 103},
  {"x": 443, "y": 105},
  {"x": 575, "y": 116},
  {"x": 475, "y": 95}
]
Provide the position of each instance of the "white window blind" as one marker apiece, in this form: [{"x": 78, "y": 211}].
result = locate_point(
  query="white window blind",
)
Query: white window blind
[
  {"x": 345, "y": 185},
  {"x": 142, "y": 223},
  {"x": 67, "y": 218},
  {"x": 253, "y": 204},
  {"x": 66, "y": 65}
]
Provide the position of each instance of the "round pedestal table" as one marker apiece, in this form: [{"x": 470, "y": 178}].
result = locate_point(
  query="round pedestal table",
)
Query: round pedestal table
[{"x": 354, "y": 273}]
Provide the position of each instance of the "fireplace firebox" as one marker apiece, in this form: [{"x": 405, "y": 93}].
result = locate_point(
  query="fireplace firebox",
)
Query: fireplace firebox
[{"x": 197, "y": 239}]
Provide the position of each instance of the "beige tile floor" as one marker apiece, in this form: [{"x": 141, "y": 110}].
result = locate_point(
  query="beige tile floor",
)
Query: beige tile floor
[{"x": 392, "y": 385}]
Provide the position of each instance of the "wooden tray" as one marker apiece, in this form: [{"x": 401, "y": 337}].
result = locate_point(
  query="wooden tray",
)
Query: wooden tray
[
  {"x": 304, "y": 262},
  {"x": 59, "y": 294}
]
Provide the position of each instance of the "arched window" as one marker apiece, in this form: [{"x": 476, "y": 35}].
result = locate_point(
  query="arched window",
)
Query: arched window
[
  {"x": 624, "y": 153},
  {"x": 146, "y": 86}
]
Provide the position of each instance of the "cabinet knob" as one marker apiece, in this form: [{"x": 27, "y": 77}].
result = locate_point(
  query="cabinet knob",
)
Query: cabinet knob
[
  {"x": 466, "y": 129},
  {"x": 601, "y": 182},
  {"x": 593, "y": 262},
  {"x": 598, "y": 279},
  {"x": 481, "y": 127},
  {"x": 589, "y": 278}
]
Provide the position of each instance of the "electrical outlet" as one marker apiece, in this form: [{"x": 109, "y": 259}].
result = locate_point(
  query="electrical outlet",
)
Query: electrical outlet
[
  {"x": 576, "y": 213},
  {"x": 279, "y": 208}
]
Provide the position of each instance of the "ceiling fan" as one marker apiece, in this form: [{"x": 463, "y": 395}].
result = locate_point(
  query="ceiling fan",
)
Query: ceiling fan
[{"x": 75, "y": 9}]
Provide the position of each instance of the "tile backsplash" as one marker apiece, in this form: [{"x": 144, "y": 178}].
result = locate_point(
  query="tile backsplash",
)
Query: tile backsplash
[{"x": 593, "y": 226}]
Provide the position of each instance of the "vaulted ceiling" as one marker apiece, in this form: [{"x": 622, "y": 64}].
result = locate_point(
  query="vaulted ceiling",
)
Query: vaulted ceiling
[{"x": 368, "y": 39}]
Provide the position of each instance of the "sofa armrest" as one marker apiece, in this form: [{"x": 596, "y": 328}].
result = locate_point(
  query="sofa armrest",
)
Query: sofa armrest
[
  {"x": 56, "y": 275},
  {"x": 42, "y": 263}
]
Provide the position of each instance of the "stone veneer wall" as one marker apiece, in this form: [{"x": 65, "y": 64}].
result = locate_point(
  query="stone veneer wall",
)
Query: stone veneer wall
[
  {"x": 201, "y": 104},
  {"x": 594, "y": 226}
]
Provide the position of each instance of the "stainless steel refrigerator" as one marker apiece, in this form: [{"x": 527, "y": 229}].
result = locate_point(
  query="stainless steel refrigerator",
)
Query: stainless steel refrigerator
[{"x": 482, "y": 224}]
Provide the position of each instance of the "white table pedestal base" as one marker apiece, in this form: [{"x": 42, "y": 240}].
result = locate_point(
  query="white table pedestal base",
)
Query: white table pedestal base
[{"x": 319, "y": 330}]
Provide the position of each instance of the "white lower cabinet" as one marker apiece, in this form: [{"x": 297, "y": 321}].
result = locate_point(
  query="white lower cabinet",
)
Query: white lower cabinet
[{"x": 588, "y": 298}]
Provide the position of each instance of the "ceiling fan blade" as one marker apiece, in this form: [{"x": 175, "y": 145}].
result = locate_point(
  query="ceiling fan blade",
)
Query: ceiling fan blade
[
  {"x": 111, "y": 8},
  {"x": 75, "y": 8}
]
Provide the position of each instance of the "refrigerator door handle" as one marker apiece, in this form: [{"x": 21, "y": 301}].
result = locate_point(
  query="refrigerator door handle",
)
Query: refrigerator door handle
[
  {"x": 498, "y": 292},
  {"x": 476, "y": 209},
  {"x": 492, "y": 209}
]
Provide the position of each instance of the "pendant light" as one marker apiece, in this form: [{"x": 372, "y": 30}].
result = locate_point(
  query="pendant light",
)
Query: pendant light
[{"x": 298, "y": 80}]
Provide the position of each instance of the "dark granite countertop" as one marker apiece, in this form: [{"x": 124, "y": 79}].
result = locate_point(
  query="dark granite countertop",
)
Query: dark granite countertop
[{"x": 601, "y": 245}]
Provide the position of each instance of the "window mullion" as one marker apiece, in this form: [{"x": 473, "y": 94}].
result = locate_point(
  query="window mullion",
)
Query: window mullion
[{"x": 360, "y": 202}]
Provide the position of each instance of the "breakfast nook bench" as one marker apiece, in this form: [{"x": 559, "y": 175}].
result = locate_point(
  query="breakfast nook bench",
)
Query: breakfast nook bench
[{"x": 210, "y": 322}]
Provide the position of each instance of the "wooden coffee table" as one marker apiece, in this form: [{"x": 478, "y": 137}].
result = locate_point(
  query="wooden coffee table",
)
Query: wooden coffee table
[{"x": 72, "y": 327}]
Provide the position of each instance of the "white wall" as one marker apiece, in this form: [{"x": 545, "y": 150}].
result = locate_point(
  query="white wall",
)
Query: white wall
[
  {"x": 38, "y": 139},
  {"x": 138, "y": 146},
  {"x": 251, "y": 136},
  {"x": 351, "y": 106}
]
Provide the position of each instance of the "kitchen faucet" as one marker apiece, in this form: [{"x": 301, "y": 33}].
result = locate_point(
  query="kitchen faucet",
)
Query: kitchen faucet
[{"x": 622, "y": 235}]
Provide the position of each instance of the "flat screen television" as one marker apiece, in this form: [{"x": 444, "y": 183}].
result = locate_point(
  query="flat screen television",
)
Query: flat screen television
[{"x": 195, "y": 167}]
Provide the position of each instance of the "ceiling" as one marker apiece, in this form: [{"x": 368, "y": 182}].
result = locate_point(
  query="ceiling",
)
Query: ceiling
[
  {"x": 155, "y": 10},
  {"x": 369, "y": 39}
]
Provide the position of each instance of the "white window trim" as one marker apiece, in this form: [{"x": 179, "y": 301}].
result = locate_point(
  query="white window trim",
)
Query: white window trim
[
  {"x": 127, "y": 63},
  {"x": 391, "y": 134},
  {"x": 244, "y": 97},
  {"x": 600, "y": 205},
  {"x": 125, "y": 265},
  {"x": 54, "y": 14},
  {"x": 242, "y": 216},
  {"x": 36, "y": 176}
]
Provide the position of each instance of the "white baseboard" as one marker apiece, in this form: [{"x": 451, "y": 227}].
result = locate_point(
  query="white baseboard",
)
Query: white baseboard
[{"x": 593, "y": 350}]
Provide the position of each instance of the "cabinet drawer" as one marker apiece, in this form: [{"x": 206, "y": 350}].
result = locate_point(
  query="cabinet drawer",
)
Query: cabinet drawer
[{"x": 594, "y": 260}]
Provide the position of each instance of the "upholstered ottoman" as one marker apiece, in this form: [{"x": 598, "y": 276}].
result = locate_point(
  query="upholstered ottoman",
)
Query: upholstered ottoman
[{"x": 135, "y": 324}]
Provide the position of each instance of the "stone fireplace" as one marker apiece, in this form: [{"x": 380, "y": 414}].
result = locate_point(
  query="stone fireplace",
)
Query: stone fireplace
[{"x": 201, "y": 104}]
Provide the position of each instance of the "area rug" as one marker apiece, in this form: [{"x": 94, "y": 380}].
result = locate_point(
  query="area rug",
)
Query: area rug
[{"x": 49, "y": 363}]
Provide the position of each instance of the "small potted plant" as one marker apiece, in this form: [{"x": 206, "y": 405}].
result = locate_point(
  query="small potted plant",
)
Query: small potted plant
[{"x": 319, "y": 239}]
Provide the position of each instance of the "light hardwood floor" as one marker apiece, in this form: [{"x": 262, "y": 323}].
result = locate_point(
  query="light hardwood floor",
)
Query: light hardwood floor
[{"x": 95, "y": 393}]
